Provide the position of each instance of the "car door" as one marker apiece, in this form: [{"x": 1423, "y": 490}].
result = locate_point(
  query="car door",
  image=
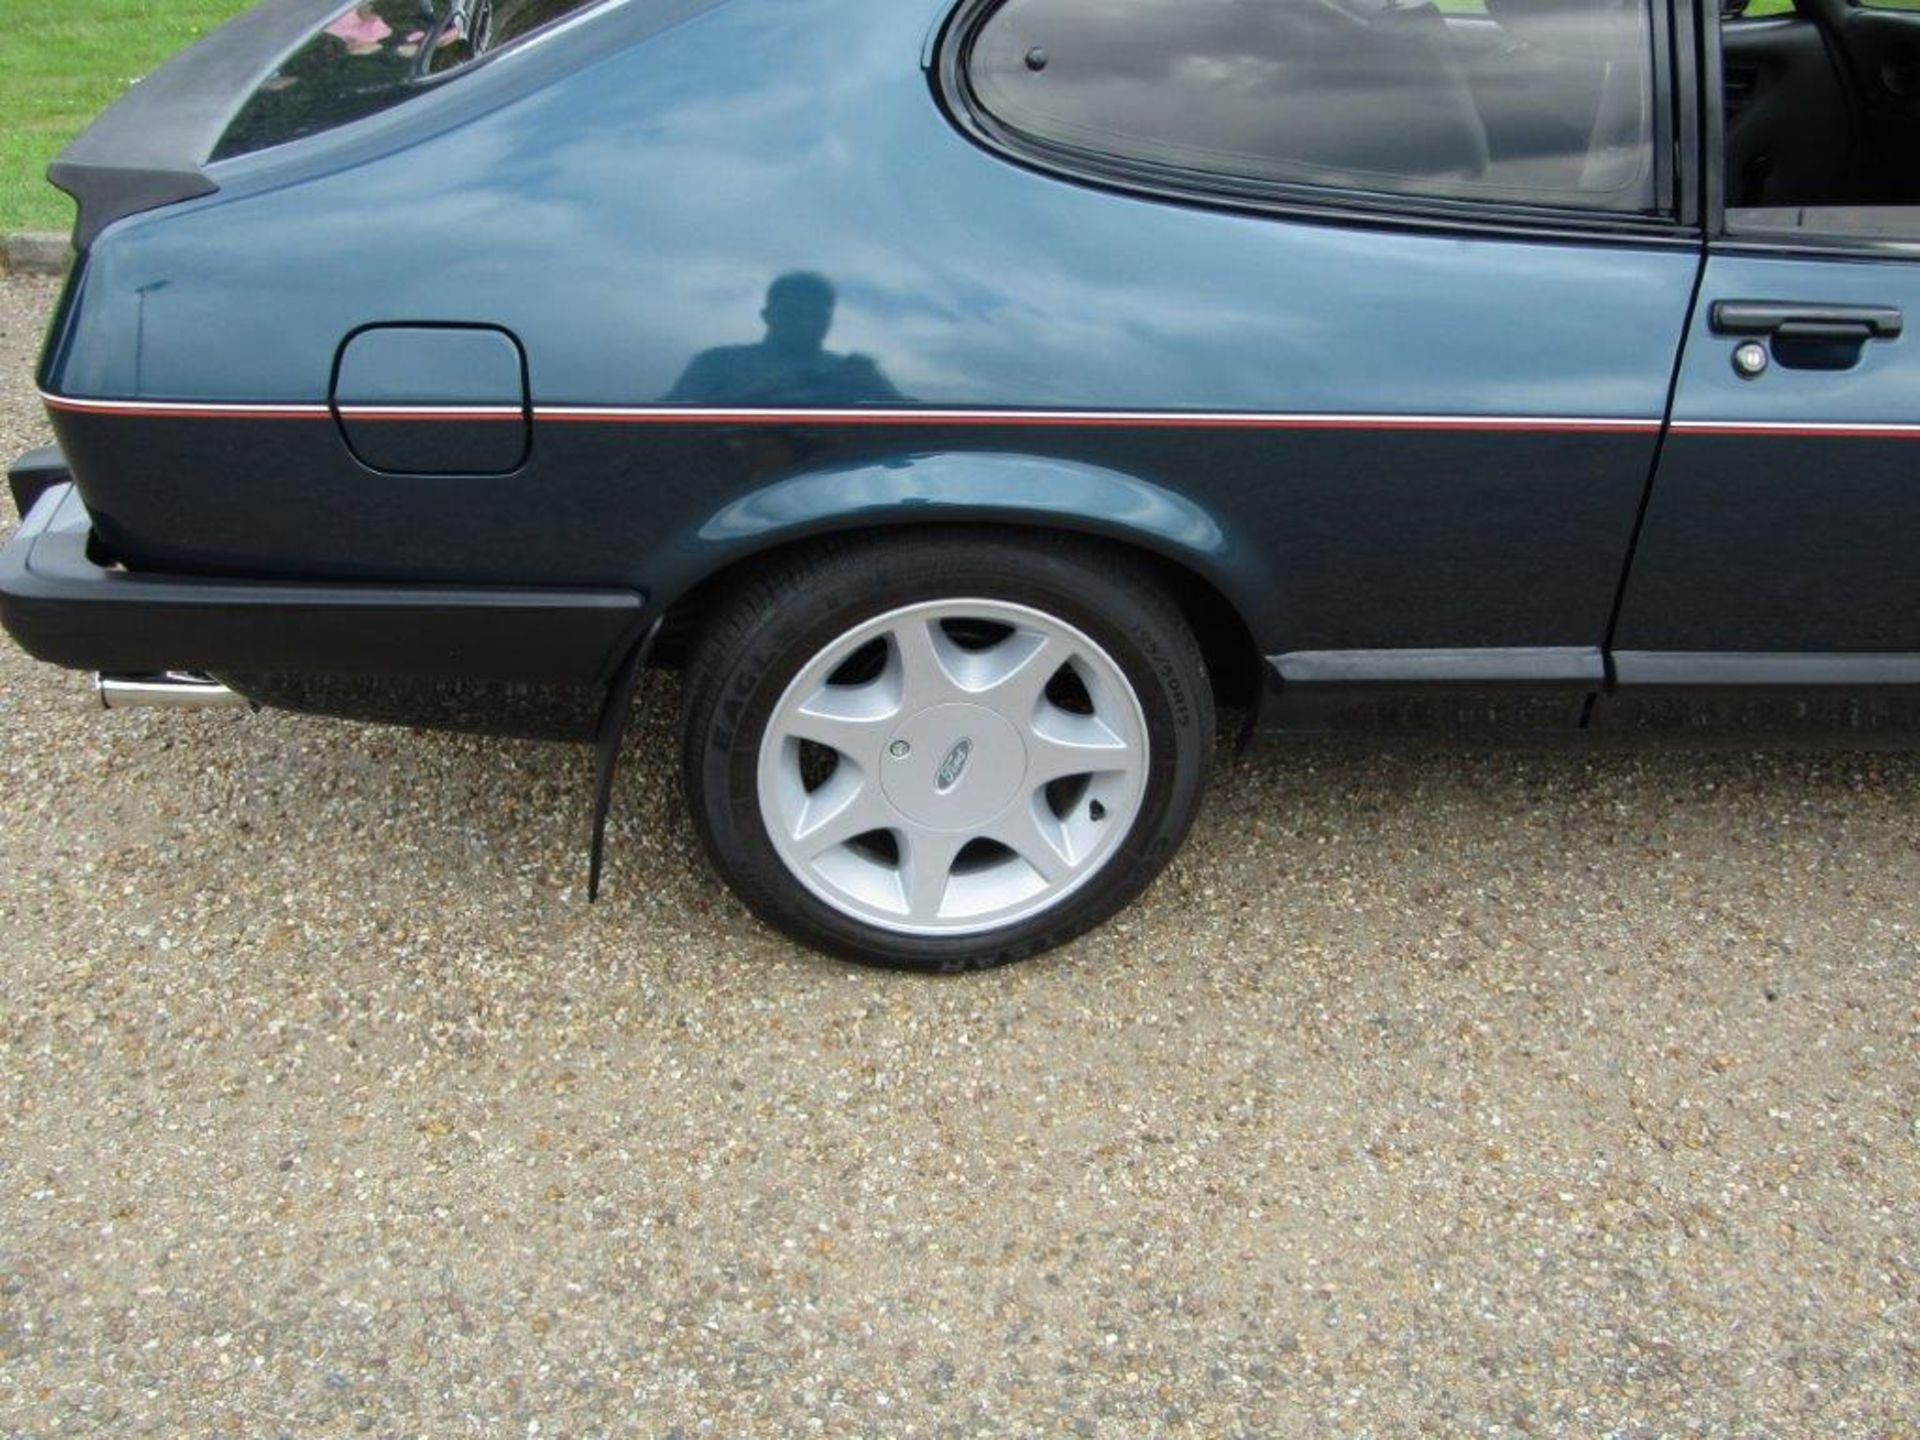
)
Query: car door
[
  {"x": 1781, "y": 545},
  {"x": 1442, "y": 268}
]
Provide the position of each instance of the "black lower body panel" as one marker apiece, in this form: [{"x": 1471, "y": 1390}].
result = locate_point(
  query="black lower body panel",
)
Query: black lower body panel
[
  {"x": 1842, "y": 699},
  {"x": 1421, "y": 692}
]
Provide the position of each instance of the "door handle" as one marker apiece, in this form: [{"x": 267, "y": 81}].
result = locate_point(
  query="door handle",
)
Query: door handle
[{"x": 1794, "y": 321}]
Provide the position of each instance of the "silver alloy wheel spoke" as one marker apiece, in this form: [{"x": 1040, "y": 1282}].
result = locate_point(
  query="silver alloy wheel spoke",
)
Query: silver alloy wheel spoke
[
  {"x": 952, "y": 767},
  {"x": 1015, "y": 672},
  {"x": 1036, "y": 835},
  {"x": 835, "y": 814},
  {"x": 1063, "y": 744},
  {"x": 927, "y": 662},
  {"x": 926, "y": 870},
  {"x": 853, "y": 723}
]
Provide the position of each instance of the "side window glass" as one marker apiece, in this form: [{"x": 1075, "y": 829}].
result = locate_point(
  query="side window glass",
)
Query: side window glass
[{"x": 1534, "y": 102}]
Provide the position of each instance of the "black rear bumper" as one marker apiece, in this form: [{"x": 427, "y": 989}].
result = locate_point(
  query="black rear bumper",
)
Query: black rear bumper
[{"x": 64, "y": 605}]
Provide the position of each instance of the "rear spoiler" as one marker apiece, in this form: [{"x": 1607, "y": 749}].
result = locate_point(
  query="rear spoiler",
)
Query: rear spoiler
[{"x": 150, "y": 149}]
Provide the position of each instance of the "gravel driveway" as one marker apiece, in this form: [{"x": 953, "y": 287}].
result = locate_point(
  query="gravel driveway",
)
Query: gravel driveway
[{"x": 1430, "y": 1092}]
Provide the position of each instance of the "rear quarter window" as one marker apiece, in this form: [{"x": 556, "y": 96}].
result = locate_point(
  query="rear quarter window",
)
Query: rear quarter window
[
  {"x": 1528, "y": 102},
  {"x": 374, "y": 55}
]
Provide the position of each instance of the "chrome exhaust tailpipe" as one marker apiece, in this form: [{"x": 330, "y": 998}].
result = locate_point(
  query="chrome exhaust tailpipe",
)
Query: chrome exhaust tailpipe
[{"x": 168, "y": 690}]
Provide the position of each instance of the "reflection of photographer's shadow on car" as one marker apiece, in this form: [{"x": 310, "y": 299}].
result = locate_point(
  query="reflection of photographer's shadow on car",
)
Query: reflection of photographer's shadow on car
[{"x": 790, "y": 365}]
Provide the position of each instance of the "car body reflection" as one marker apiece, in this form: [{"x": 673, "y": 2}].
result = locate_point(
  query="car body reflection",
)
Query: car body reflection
[{"x": 790, "y": 364}]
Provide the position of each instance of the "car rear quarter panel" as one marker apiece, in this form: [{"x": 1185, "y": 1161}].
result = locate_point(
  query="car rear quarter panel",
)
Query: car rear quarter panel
[{"x": 629, "y": 217}]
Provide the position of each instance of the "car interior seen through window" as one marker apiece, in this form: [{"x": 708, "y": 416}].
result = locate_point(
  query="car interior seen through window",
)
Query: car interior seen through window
[
  {"x": 1536, "y": 102},
  {"x": 374, "y": 55},
  {"x": 1822, "y": 111}
]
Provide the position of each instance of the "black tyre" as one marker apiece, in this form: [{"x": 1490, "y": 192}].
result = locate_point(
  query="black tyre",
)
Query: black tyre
[{"x": 945, "y": 751}]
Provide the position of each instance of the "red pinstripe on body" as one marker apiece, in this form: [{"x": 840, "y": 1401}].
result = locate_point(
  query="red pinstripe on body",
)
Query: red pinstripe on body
[
  {"x": 1023, "y": 419},
  {"x": 919, "y": 417}
]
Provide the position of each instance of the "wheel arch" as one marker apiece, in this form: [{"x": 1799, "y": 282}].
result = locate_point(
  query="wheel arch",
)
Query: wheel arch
[{"x": 1187, "y": 549}]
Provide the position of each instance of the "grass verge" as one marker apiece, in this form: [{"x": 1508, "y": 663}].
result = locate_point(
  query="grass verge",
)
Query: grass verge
[{"x": 64, "y": 62}]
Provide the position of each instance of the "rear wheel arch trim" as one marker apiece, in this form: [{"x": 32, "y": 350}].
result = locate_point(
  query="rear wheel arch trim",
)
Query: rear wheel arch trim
[
  {"x": 1021, "y": 495},
  {"x": 1020, "y": 492}
]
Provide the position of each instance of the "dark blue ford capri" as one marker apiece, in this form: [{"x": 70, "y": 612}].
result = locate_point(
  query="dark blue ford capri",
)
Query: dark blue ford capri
[{"x": 972, "y": 397}]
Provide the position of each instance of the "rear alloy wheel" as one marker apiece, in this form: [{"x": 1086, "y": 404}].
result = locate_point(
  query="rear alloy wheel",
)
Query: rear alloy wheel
[{"x": 946, "y": 753}]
